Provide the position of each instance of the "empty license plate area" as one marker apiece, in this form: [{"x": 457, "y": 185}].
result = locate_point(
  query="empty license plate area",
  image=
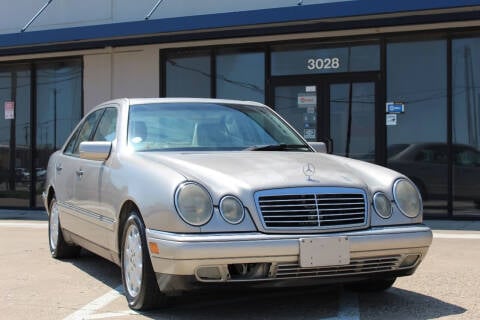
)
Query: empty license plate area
[{"x": 322, "y": 252}]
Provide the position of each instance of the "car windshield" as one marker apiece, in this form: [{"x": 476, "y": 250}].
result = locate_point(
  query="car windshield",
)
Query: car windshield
[{"x": 208, "y": 126}]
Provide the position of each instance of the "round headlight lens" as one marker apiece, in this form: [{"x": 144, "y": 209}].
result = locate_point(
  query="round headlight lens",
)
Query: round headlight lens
[
  {"x": 407, "y": 198},
  {"x": 193, "y": 203},
  {"x": 382, "y": 205},
  {"x": 231, "y": 210}
]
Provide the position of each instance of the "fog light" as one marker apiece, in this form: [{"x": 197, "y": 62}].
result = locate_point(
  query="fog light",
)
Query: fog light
[
  {"x": 409, "y": 261},
  {"x": 209, "y": 273}
]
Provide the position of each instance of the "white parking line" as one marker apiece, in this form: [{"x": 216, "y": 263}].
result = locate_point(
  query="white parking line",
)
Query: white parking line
[
  {"x": 112, "y": 314},
  {"x": 86, "y": 311},
  {"x": 31, "y": 225},
  {"x": 440, "y": 235}
]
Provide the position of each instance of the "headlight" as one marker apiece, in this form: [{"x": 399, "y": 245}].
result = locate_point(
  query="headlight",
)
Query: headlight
[
  {"x": 231, "y": 210},
  {"x": 407, "y": 198},
  {"x": 193, "y": 203},
  {"x": 382, "y": 205}
]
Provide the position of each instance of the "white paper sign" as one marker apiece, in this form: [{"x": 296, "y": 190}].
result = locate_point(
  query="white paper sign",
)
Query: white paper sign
[
  {"x": 9, "y": 110},
  {"x": 309, "y": 133},
  {"x": 391, "y": 120}
]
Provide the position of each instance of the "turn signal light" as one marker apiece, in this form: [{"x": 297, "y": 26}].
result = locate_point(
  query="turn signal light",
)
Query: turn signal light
[{"x": 153, "y": 248}]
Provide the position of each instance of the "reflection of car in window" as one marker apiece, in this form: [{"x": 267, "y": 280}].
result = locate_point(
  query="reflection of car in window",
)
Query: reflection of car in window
[{"x": 427, "y": 165}]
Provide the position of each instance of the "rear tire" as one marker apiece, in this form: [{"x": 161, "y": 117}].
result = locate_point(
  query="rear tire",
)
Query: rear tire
[
  {"x": 59, "y": 248},
  {"x": 138, "y": 277},
  {"x": 374, "y": 285}
]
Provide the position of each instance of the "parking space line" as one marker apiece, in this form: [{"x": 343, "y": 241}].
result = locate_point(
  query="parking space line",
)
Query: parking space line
[
  {"x": 86, "y": 311},
  {"x": 440, "y": 235},
  {"x": 112, "y": 314}
]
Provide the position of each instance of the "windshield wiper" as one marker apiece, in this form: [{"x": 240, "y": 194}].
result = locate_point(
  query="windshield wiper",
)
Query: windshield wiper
[{"x": 278, "y": 147}]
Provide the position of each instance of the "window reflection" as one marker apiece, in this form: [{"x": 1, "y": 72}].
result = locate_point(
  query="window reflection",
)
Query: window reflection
[
  {"x": 466, "y": 126},
  {"x": 15, "y": 144},
  {"x": 241, "y": 76},
  {"x": 58, "y": 103},
  {"x": 352, "y": 120},
  {"x": 188, "y": 75},
  {"x": 417, "y": 76}
]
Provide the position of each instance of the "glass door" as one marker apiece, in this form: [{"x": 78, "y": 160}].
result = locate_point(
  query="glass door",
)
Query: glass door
[
  {"x": 298, "y": 105},
  {"x": 351, "y": 108},
  {"x": 340, "y": 113}
]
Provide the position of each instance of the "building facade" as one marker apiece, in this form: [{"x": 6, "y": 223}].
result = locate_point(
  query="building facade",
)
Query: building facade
[{"x": 393, "y": 83}]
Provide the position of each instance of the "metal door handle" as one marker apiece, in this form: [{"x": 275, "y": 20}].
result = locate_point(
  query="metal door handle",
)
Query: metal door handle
[
  {"x": 80, "y": 173},
  {"x": 59, "y": 167}
]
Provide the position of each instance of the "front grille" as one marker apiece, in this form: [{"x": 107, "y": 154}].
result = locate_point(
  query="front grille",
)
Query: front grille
[
  {"x": 357, "y": 266},
  {"x": 312, "y": 208}
]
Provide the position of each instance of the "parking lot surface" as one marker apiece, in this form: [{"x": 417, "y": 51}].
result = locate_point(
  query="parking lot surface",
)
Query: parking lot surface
[{"x": 36, "y": 286}]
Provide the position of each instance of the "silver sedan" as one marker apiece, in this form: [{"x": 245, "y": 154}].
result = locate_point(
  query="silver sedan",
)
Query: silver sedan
[{"x": 186, "y": 193}]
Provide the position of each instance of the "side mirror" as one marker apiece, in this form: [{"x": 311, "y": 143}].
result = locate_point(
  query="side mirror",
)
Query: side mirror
[
  {"x": 95, "y": 150},
  {"x": 318, "y": 146}
]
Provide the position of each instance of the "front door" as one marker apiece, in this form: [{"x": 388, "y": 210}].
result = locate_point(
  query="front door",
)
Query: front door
[{"x": 337, "y": 111}]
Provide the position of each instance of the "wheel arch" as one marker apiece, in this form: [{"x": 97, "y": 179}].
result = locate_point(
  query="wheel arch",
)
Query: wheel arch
[
  {"x": 127, "y": 207},
  {"x": 50, "y": 195}
]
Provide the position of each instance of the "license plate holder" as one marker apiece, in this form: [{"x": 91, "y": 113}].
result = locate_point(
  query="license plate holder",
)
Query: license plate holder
[{"x": 324, "y": 251}]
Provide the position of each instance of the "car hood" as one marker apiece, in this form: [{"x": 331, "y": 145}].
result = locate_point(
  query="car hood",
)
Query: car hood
[{"x": 259, "y": 170}]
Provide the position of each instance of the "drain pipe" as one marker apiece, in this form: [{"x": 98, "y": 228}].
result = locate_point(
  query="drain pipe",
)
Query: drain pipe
[{"x": 36, "y": 15}]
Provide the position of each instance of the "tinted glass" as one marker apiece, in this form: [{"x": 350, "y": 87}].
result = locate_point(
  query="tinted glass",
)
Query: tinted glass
[
  {"x": 206, "y": 126},
  {"x": 352, "y": 120},
  {"x": 106, "y": 130},
  {"x": 86, "y": 130},
  {"x": 298, "y": 105},
  {"x": 241, "y": 76},
  {"x": 188, "y": 75},
  {"x": 466, "y": 126},
  {"x": 314, "y": 60},
  {"x": 15, "y": 144},
  {"x": 59, "y": 107},
  {"x": 417, "y": 77}
]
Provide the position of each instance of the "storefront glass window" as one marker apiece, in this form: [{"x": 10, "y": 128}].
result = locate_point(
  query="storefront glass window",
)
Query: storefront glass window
[
  {"x": 15, "y": 144},
  {"x": 188, "y": 75},
  {"x": 466, "y": 126},
  {"x": 417, "y": 138},
  {"x": 309, "y": 60},
  {"x": 59, "y": 105},
  {"x": 241, "y": 76}
]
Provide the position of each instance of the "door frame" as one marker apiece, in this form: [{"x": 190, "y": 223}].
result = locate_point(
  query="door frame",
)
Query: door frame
[{"x": 323, "y": 82}]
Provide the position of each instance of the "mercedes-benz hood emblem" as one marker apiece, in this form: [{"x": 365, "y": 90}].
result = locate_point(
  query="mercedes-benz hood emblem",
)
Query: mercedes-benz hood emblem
[{"x": 309, "y": 171}]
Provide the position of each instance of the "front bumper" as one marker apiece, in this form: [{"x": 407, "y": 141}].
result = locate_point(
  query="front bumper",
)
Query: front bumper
[{"x": 372, "y": 251}]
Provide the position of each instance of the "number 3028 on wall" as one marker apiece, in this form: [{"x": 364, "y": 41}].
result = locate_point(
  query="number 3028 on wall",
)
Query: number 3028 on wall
[{"x": 323, "y": 63}]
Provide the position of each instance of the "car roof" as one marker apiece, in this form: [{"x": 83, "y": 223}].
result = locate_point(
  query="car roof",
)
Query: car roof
[{"x": 130, "y": 101}]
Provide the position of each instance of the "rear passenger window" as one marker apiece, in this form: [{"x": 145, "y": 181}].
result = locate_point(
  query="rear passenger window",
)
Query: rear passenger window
[{"x": 83, "y": 133}]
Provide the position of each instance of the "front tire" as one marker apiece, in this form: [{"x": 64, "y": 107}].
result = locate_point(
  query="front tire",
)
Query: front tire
[
  {"x": 59, "y": 248},
  {"x": 139, "y": 282}
]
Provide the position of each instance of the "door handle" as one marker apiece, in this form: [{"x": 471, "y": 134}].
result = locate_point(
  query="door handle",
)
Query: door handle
[
  {"x": 80, "y": 173},
  {"x": 59, "y": 167}
]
